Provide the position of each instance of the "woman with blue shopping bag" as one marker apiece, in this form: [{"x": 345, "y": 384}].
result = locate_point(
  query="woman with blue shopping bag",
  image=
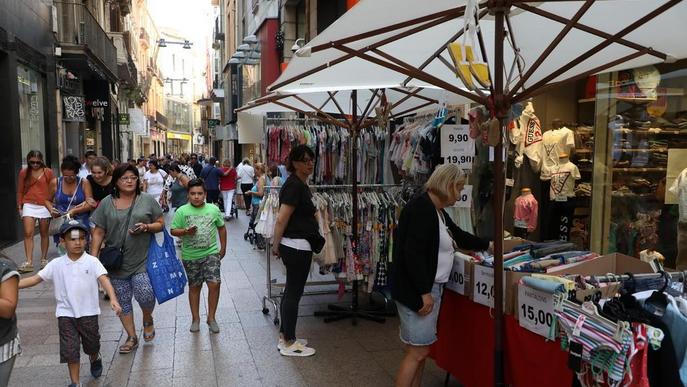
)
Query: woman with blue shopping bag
[{"x": 197, "y": 224}]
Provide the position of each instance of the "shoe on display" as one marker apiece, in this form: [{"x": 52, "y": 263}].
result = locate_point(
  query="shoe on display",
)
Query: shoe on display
[
  {"x": 282, "y": 343},
  {"x": 297, "y": 350}
]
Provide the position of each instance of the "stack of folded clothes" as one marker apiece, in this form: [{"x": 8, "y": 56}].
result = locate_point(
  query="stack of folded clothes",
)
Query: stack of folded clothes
[{"x": 583, "y": 189}]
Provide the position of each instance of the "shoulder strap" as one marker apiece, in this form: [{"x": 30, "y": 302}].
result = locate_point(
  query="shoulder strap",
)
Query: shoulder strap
[{"x": 126, "y": 224}]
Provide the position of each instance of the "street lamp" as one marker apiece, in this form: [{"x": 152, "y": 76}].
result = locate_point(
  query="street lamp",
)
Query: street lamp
[
  {"x": 186, "y": 44},
  {"x": 297, "y": 46}
]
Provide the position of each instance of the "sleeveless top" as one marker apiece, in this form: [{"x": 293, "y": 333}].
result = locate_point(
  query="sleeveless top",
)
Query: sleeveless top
[
  {"x": 100, "y": 192},
  {"x": 179, "y": 194},
  {"x": 62, "y": 200}
]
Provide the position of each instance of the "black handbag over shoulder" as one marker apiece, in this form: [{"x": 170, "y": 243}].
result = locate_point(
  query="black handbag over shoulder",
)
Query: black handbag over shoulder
[{"x": 112, "y": 257}]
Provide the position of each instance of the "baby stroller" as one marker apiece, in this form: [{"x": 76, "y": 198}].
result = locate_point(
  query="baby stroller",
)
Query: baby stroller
[
  {"x": 234, "y": 213},
  {"x": 255, "y": 239}
]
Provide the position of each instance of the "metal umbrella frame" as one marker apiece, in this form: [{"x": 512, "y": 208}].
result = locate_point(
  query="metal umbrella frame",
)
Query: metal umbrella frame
[{"x": 603, "y": 50}]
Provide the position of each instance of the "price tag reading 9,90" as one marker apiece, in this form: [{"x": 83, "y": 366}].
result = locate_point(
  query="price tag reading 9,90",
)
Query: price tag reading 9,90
[
  {"x": 456, "y": 145},
  {"x": 535, "y": 311}
]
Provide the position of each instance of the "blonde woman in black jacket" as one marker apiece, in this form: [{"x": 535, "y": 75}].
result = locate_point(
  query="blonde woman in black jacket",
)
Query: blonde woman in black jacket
[{"x": 423, "y": 257}]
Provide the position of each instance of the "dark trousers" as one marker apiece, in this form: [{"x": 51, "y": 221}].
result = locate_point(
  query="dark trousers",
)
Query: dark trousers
[
  {"x": 246, "y": 198},
  {"x": 297, "y": 264},
  {"x": 212, "y": 196}
]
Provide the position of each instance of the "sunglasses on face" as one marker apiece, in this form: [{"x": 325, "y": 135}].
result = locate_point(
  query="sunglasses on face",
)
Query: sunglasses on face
[{"x": 35, "y": 163}]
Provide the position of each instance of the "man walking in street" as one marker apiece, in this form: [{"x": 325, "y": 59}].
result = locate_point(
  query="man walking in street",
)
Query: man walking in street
[{"x": 246, "y": 174}]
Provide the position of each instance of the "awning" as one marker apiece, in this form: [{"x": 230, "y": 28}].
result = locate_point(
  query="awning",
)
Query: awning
[{"x": 179, "y": 136}]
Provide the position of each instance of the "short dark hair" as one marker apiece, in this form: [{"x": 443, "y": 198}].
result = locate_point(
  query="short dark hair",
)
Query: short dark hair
[
  {"x": 70, "y": 163},
  {"x": 154, "y": 163},
  {"x": 197, "y": 182},
  {"x": 297, "y": 154},
  {"x": 90, "y": 153},
  {"x": 119, "y": 172},
  {"x": 175, "y": 167},
  {"x": 213, "y": 161}
]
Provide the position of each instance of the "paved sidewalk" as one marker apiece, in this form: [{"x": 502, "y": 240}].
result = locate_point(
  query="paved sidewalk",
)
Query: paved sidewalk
[{"x": 244, "y": 353}]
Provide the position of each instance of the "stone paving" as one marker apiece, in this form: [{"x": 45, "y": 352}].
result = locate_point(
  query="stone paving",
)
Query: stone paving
[{"x": 244, "y": 352}]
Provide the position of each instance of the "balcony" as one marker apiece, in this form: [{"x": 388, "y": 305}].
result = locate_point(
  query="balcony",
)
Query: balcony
[
  {"x": 80, "y": 33},
  {"x": 125, "y": 7},
  {"x": 161, "y": 121},
  {"x": 219, "y": 31}
]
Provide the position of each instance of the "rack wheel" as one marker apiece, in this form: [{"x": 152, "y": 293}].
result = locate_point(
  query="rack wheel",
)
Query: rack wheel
[
  {"x": 276, "y": 321},
  {"x": 265, "y": 311}
]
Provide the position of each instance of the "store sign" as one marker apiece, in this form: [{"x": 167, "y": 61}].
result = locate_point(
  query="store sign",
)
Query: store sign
[
  {"x": 137, "y": 122},
  {"x": 535, "y": 309},
  {"x": 179, "y": 136},
  {"x": 457, "y": 147},
  {"x": 465, "y": 198},
  {"x": 212, "y": 123},
  {"x": 483, "y": 286},
  {"x": 459, "y": 275},
  {"x": 124, "y": 119},
  {"x": 73, "y": 109}
]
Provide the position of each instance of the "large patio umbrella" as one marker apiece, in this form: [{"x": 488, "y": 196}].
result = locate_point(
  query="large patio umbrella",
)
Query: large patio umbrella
[{"x": 528, "y": 46}]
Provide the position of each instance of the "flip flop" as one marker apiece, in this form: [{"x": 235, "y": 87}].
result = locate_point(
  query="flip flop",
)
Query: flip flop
[{"x": 462, "y": 67}]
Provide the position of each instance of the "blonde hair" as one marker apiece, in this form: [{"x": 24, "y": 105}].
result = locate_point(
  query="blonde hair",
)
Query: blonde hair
[{"x": 444, "y": 179}]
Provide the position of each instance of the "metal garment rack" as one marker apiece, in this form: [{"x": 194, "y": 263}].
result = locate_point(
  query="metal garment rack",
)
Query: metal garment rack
[{"x": 271, "y": 298}]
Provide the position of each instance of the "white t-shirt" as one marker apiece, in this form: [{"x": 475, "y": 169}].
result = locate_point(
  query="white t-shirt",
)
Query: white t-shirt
[
  {"x": 246, "y": 173},
  {"x": 76, "y": 285},
  {"x": 563, "y": 181},
  {"x": 679, "y": 189},
  {"x": 156, "y": 182},
  {"x": 141, "y": 171},
  {"x": 531, "y": 142},
  {"x": 445, "y": 261},
  {"x": 554, "y": 143}
]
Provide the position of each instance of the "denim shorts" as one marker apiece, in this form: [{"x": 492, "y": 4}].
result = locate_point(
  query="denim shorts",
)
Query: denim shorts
[{"x": 420, "y": 330}]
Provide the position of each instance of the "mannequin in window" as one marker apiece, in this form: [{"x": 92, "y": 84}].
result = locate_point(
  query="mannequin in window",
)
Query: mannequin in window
[
  {"x": 526, "y": 213},
  {"x": 562, "y": 188},
  {"x": 556, "y": 141}
]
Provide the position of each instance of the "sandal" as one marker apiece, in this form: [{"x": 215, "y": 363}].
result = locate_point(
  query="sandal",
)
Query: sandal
[
  {"x": 148, "y": 337},
  {"x": 26, "y": 267},
  {"x": 130, "y": 344},
  {"x": 44, "y": 262}
]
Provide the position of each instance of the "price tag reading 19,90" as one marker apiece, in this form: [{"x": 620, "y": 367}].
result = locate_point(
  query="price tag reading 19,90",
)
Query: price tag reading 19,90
[
  {"x": 458, "y": 277},
  {"x": 456, "y": 145},
  {"x": 465, "y": 198},
  {"x": 483, "y": 286},
  {"x": 535, "y": 309}
]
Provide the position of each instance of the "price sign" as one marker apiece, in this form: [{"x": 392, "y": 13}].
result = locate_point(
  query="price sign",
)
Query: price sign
[
  {"x": 535, "y": 309},
  {"x": 465, "y": 198},
  {"x": 456, "y": 145},
  {"x": 483, "y": 286},
  {"x": 458, "y": 276}
]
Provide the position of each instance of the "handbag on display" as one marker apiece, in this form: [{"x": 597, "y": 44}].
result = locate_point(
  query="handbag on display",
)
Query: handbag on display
[
  {"x": 56, "y": 223},
  {"x": 165, "y": 270},
  {"x": 112, "y": 257}
]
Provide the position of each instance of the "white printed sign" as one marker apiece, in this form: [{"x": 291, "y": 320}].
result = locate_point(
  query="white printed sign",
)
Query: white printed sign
[
  {"x": 465, "y": 198},
  {"x": 483, "y": 286},
  {"x": 535, "y": 309},
  {"x": 459, "y": 277},
  {"x": 457, "y": 147}
]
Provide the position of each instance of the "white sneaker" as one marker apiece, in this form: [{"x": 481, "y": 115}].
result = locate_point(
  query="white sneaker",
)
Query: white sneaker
[
  {"x": 297, "y": 349},
  {"x": 282, "y": 343}
]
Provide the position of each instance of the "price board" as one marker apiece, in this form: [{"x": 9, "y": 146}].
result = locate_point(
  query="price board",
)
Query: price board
[
  {"x": 535, "y": 309},
  {"x": 459, "y": 275},
  {"x": 457, "y": 147},
  {"x": 483, "y": 286},
  {"x": 465, "y": 198}
]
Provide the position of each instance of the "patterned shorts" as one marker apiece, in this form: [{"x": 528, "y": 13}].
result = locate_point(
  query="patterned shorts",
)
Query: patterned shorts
[
  {"x": 203, "y": 270},
  {"x": 74, "y": 332}
]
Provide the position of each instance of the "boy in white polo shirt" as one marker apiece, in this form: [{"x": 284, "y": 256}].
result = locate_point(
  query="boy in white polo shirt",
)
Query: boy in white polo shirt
[{"x": 75, "y": 276}]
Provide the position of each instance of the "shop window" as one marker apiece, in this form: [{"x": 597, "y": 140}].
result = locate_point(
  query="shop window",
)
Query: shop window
[
  {"x": 31, "y": 113},
  {"x": 641, "y": 199}
]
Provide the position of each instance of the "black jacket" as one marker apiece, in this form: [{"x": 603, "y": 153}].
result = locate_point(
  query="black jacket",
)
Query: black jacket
[{"x": 416, "y": 250}]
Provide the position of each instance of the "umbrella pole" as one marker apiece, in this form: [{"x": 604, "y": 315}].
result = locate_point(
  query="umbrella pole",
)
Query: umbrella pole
[{"x": 498, "y": 8}]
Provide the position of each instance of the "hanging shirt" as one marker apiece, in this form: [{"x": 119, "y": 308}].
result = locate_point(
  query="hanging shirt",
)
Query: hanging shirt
[
  {"x": 563, "y": 181},
  {"x": 679, "y": 189},
  {"x": 555, "y": 142},
  {"x": 531, "y": 143},
  {"x": 445, "y": 261},
  {"x": 526, "y": 212}
]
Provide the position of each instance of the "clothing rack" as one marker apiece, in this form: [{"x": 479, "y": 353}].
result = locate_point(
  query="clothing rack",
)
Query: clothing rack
[
  {"x": 680, "y": 276},
  {"x": 335, "y": 312}
]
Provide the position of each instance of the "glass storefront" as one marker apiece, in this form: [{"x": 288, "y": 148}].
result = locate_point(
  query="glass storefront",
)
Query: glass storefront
[{"x": 31, "y": 113}]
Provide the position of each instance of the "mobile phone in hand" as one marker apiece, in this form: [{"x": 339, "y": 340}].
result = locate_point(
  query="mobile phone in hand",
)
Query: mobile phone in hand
[{"x": 135, "y": 229}]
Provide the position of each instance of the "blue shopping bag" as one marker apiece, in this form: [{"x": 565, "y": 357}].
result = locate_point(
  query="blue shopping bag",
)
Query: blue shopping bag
[{"x": 165, "y": 270}]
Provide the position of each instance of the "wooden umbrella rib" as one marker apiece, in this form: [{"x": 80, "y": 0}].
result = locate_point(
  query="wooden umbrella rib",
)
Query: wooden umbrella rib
[
  {"x": 412, "y": 109},
  {"x": 336, "y": 103},
  {"x": 313, "y": 107},
  {"x": 414, "y": 94},
  {"x": 528, "y": 93},
  {"x": 588, "y": 29},
  {"x": 375, "y": 45},
  {"x": 367, "y": 108},
  {"x": 552, "y": 46},
  {"x": 400, "y": 101},
  {"x": 331, "y": 95},
  {"x": 405, "y": 68},
  {"x": 606, "y": 43},
  {"x": 311, "y": 114},
  {"x": 450, "y": 13}
]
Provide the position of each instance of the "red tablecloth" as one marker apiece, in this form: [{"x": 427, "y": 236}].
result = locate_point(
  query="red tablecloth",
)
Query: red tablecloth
[{"x": 466, "y": 348}]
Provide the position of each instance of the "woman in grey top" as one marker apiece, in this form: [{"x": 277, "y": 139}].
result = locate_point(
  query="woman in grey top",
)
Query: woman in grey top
[{"x": 131, "y": 280}]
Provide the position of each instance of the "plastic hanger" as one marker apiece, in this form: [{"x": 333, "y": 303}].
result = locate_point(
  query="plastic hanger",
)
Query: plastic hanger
[{"x": 657, "y": 303}]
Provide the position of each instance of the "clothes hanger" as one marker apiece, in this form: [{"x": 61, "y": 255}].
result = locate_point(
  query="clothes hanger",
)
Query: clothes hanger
[{"x": 658, "y": 301}]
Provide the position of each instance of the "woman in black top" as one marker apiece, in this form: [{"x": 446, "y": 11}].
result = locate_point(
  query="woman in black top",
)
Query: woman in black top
[
  {"x": 424, "y": 243},
  {"x": 295, "y": 227},
  {"x": 101, "y": 180}
]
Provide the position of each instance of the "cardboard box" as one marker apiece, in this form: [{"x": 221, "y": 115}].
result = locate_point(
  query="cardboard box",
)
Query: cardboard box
[{"x": 611, "y": 263}]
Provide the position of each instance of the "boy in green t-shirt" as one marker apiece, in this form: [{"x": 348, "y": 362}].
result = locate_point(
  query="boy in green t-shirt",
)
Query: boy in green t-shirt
[{"x": 195, "y": 223}]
